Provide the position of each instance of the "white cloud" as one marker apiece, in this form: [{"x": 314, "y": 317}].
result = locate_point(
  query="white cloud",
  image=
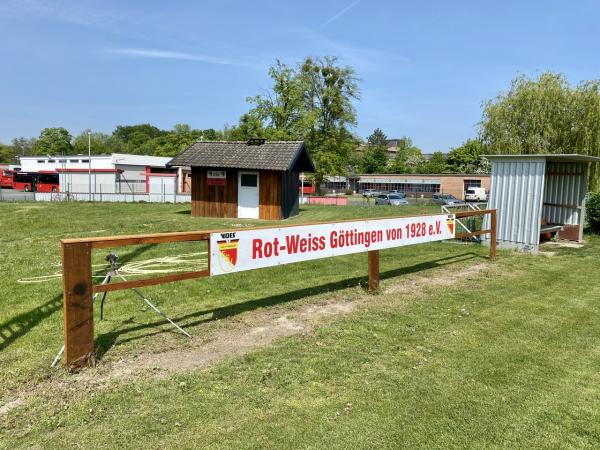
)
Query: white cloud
[
  {"x": 340, "y": 13},
  {"x": 165, "y": 54}
]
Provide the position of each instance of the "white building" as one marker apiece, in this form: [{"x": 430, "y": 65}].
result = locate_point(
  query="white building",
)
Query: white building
[{"x": 116, "y": 173}]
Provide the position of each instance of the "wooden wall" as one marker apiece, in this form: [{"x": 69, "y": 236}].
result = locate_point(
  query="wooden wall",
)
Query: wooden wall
[
  {"x": 213, "y": 201},
  {"x": 290, "y": 187},
  {"x": 221, "y": 201},
  {"x": 269, "y": 197}
]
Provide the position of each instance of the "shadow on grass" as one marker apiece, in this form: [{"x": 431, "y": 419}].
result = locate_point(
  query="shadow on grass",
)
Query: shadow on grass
[
  {"x": 107, "y": 340},
  {"x": 22, "y": 324},
  {"x": 187, "y": 212}
]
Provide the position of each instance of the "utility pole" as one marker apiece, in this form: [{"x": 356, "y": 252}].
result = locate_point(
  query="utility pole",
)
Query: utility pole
[{"x": 89, "y": 133}]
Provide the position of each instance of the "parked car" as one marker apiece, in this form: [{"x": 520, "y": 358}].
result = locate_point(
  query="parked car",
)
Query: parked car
[
  {"x": 475, "y": 194},
  {"x": 445, "y": 199},
  {"x": 370, "y": 193},
  {"x": 398, "y": 193},
  {"x": 390, "y": 199}
]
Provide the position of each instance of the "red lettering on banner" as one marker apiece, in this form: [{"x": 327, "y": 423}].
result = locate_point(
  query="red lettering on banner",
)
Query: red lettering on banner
[
  {"x": 292, "y": 243},
  {"x": 256, "y": 248},
  {"x": 438, "y": 227},
  {"x": 393, "y": 234}
]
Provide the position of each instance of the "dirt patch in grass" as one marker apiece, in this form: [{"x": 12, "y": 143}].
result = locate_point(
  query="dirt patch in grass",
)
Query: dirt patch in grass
[
  {"x": 445, "y": 277},
  {"x": 236, "y": 337}
]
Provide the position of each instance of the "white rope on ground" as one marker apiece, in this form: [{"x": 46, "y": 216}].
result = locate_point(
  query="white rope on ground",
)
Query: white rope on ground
[{"x": 166, "y": 264}]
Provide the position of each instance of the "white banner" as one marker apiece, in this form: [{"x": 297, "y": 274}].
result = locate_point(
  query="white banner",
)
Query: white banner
[{"x": 236, "y": 251}]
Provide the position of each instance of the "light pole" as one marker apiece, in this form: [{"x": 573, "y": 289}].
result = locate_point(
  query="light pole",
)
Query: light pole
[{"x": 89, "y": 165}]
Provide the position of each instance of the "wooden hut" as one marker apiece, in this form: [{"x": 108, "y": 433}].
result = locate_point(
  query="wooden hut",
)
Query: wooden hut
[{"x": 254, "y": 179}]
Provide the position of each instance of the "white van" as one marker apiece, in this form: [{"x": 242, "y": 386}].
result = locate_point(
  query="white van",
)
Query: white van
[{"x": 475, "y": 194}]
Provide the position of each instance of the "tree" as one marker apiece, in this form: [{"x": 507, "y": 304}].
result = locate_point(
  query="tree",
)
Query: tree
[
  {"x": 377, "y": 139},
  {"x": 127, "y": 133},
  {"x": 7, "y": 154},
  {"x": 467, "y": 158},
  {"x": 544, "y": 115},
  {"x": 101, "y": 144},
  {"x": 408, "y": 157},
  {"x": 374, "y": 160},
  {"x": 281, "y": 109},
  {"x": 173, "y": 142},
  {"x": 23, "y": 146},
  {"x": 312, "y": 102},
  {"x": 435, "y": 164},
  {"x": 53, "y": 141}
]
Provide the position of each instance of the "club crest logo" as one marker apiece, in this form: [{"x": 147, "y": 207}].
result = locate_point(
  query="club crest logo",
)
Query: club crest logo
[
  {"x": 228, "y": 251},
  {"x": 450, "y": 224}
]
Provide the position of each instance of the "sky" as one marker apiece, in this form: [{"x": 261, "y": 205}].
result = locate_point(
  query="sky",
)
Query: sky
[{"x": 425, "y": 67}]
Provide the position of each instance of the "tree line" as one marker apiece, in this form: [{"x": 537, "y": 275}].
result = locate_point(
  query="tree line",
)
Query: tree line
[{"x": 314, "y": 101}]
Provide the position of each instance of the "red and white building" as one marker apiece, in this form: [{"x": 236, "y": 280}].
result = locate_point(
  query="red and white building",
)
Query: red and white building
[{"x": 116, "y": 173}]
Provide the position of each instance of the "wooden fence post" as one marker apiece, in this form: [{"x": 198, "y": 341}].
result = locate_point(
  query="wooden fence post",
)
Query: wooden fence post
[
  {"x": 373, "y": 270},
  {"x": 78, "y": 304},
  {"x": 493, "y": 235}
]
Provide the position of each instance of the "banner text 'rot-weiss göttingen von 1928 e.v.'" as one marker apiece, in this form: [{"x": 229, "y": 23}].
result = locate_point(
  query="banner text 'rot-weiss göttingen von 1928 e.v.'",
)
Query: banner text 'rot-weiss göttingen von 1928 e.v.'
[{"x": 236, "y": 251}]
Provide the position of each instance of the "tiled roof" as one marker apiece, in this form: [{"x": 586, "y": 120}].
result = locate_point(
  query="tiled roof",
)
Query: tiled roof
[{"x": 272, "y": 155}]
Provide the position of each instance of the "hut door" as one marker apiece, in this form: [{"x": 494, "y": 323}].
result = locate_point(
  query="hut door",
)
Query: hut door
[{"x": 248, "y": 195}]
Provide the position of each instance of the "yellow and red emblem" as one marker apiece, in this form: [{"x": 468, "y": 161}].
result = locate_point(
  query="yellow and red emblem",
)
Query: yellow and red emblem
[
  {"x": 229, "y": 251},
  {"x": 450, "y": 224}
]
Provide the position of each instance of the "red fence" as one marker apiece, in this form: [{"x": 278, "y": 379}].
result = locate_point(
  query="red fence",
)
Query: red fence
[{"x": 312, "y": 200}]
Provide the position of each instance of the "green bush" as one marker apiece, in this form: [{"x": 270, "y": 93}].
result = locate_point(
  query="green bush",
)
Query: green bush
[
  {"x": 592, "y": 209},
  {"x": 349, "y": 192}
]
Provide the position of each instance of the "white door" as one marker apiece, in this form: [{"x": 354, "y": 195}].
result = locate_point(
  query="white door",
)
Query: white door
[{"x": 248, "y": 195}]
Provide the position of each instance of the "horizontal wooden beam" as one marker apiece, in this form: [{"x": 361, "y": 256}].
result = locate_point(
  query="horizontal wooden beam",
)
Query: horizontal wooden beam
[
  {"x": 473, "y": 213},
  {"x": 471, "y": 234},
  {"x": 150, "y": 281},
  {"x": 125, "y": 240}
]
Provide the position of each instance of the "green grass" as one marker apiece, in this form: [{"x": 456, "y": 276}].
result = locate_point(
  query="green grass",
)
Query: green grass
[{"x": 505, "y": 357}]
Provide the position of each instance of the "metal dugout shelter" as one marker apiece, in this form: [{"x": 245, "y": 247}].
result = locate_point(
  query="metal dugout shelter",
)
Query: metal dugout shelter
[{"x": 537, "y": 194}]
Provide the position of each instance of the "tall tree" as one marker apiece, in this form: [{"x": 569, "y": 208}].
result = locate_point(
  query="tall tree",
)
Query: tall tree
[
  {"x": 377, "y": 138},
  {"x": 375, "y": 158},
  {"x": 53, "y": 141},
  {"x": 312, "y": 102},
  {"x": 545, "y": 115},
  {"x": 467, "y": 158}
]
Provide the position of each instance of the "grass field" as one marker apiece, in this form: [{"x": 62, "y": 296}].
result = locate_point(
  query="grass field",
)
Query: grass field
[{"x": 455, "y": 351}]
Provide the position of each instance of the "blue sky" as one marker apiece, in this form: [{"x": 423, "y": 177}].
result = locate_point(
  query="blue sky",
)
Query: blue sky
[{"x": 425, "y": 66}]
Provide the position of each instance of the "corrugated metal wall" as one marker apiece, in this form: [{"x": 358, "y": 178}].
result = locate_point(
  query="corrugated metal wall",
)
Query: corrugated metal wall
[
  {"x": 516, "y": 192},
  {"x": 564, "y": 193}
]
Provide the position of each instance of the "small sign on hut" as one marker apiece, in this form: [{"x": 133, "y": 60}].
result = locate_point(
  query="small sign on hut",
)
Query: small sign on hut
[{"x": 256, "y": 179}]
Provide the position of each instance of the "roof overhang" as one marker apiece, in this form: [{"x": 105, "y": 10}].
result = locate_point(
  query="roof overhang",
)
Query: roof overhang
[{"x": 559, "y": 157}]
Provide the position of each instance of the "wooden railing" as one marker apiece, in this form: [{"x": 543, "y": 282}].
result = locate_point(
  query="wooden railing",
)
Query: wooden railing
[
  {"x": 491, "y": 231},
  {"x": 78, "y": 288}
]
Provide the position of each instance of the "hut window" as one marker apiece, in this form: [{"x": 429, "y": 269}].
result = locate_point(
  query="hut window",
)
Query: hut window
[{"x": 249, "y": 180}]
